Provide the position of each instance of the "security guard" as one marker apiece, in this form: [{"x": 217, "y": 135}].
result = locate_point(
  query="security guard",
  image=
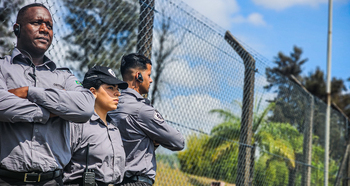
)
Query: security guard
[
  {"x": 97, "y": 147},
  {"x": 36, "y": 101},
  {"x": 141, "y": 126}
]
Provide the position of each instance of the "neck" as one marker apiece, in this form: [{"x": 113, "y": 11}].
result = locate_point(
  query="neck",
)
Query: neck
[
  {"x": 102, "y": 114},
  {"x": 36, "y": 59},
  {"x": 133, "y": 85}
]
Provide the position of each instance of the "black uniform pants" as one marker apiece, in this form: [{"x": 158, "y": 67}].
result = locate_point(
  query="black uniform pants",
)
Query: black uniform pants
[{"x": 4, "y": 181}]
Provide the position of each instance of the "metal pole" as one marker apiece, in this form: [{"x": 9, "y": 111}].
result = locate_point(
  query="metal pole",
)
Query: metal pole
[
  {"x": 144, "y": 39},
  {"x": 329, "y": 52},
  {"x": 246, "y": 132}
]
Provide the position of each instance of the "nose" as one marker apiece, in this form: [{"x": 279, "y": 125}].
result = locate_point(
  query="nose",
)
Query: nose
[
  {"x": 43, "y": 28},
  {"x": 150, "y": 80},
  {"x": 117, "y": 93}
]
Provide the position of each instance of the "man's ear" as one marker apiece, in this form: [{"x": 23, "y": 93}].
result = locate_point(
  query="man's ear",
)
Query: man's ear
[
  {"x": 17, "y": 29},
  {"x": 93, "y": 91}
]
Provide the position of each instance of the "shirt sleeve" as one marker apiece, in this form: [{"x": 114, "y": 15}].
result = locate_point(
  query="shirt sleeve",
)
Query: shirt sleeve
[
  {"x": 75, "y": 103},
  {"x": 75, "y": 136},
  {"x": 14, "y": 109},
  {"x": 156, "y": 128}
]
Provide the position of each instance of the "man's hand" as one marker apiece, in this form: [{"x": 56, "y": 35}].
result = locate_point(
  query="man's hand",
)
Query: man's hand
[
  {"x": 156, "y": 145},
  {"x": 21, "y": 92},
  {"x": 53, "y": 115}
]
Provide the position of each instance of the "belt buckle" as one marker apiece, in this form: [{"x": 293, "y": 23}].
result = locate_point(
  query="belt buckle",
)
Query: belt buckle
[{"x": 32, "y": 174}]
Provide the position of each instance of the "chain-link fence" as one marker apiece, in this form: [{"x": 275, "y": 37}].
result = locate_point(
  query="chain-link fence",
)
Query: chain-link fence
[{"x": 244, "y": 123}]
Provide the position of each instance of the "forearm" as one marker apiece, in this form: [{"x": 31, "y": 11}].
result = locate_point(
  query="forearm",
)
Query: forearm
[
  {"x": 14, "y": 109},
  {"x": 76, "y": 106},
  {"x": 172, "y": 140}
]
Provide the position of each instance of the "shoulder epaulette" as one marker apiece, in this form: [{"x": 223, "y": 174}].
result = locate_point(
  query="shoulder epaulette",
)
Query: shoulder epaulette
[{"x": 64, "y": 69}]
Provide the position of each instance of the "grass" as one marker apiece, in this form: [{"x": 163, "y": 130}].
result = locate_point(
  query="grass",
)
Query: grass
[{"x": 167, "y": 176}]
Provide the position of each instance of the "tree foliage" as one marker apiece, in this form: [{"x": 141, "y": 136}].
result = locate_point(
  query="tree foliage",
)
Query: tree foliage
[
  {"x": 289, "y": 102},
  {"x": 102, "y": 31},
  {"x": 8, "y": 12},
  {"x": 163, "y": 54}
]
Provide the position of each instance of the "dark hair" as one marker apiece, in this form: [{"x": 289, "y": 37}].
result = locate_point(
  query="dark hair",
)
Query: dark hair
[
  {"x": 134, "y": 60},
  {"x": 94, "y": 83},
  {"x": 23, "y": 10}
]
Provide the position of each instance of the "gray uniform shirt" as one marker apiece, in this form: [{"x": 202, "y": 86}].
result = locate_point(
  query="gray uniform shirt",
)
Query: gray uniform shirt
[
  {"x": 30, "y": 140},
  {"x": 106, "y": 152},
  {"x": 140, "y": 124}
]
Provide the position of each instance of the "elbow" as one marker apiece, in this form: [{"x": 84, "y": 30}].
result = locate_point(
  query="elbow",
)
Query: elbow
[
  {"x": 85, "y": 115},
  {"x": 181, "y": 145},
  {"x": 178, "y": 144}
]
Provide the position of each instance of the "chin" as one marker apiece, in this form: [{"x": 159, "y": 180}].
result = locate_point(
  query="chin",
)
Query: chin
[{"x": 113, "y": 108}]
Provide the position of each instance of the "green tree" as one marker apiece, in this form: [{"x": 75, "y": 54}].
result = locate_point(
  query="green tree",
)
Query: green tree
[
  {"x": 290, "y": 98},
  {"x": 102, "y": 31},
  {"x": 7, "y": 12},
  {"x": 315, "y": 83},
  {"x": 216, "y": 154},
  {"x": 280, "y": 139}
]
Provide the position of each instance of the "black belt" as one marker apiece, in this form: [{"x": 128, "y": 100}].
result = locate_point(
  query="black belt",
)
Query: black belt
[
  {"x": 31, "y": 176},
  {"x": 80, "y": 182},
  {"x": 139, "y": 178}
]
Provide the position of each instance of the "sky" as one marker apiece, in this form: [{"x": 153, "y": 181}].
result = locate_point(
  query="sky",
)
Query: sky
[{"x": 272, "y": 26}]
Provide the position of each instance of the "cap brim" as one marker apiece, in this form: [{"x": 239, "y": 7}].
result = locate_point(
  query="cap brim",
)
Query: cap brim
[{"x": 114, "y": 81}]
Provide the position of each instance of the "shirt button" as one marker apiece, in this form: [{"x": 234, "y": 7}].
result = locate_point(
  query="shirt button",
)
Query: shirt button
[
  {"x": 40, "y": 120},
  {"x": 36, "y": 130}
]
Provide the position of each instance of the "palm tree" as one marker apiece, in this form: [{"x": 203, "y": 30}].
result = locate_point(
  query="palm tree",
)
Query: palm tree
[{"x": 280, "y": 139}]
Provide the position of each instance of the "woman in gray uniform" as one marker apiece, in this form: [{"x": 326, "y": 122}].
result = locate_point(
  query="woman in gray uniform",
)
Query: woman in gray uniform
[{"x": 98, "y": 156}]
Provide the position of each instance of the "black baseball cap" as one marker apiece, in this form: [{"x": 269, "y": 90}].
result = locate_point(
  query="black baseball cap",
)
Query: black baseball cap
[{"x": 106, "y": 75}]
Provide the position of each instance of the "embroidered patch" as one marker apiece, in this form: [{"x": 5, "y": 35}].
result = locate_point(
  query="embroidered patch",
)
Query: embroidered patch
[
  {"x": 78, "y": 83},
  {"x": 111, "y": 72},
  {"x": 158, "y": 116}
]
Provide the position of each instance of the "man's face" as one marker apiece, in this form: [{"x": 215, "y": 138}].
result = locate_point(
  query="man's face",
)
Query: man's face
[
  {"x": 36, "y": 31},
  {"x": 147, "y": 80}
]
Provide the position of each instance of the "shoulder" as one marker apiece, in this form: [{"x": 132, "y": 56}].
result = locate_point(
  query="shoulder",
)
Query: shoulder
[{"x": 64, "y": 69}]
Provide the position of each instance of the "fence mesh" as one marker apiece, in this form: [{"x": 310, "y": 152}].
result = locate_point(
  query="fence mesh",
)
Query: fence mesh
[{"x": 243, "y": 123}]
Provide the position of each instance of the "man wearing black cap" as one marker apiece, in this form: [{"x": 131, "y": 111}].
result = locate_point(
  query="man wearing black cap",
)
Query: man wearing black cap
[{"x": 97, "y": 146}]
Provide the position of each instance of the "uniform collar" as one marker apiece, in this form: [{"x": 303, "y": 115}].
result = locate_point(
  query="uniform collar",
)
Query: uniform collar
[
  {"x": 137, "y": 95},
  {"x": 96, "y": 117},
  {"x": 133, "y": 92},
  {"x": 48, "y": 64}
]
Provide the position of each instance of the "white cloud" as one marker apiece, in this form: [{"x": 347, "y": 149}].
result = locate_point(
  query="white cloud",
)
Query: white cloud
[
  {"x": 188, "y": 76},
  {"x": 224, "y": 13},
  {"x": 254, "y": 19},
  {"x": 191, "y": 112},
  {"x": 219, "y": 11},
  {"x": 280, "y": 5}
]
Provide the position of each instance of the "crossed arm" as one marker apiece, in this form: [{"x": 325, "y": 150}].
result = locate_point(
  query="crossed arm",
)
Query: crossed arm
[{"x": 35, "y": 104}]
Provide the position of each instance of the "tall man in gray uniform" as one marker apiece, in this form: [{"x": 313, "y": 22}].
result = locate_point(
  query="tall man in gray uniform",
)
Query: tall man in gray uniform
[
  {"x": 36, "y": 101},
  {"x": 141, "y": 126}
]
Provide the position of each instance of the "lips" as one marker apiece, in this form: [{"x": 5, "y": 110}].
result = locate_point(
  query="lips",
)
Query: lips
[{"x": 45, "y": 39}]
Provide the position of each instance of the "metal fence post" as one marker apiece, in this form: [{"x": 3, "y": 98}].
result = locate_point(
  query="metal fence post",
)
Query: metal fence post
[
  {"x": 307, "y": 145},
  {"x": 307, "y": 142},
  {"x": 144, "y": 38},
  {"x": 246, "y": 131}
]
